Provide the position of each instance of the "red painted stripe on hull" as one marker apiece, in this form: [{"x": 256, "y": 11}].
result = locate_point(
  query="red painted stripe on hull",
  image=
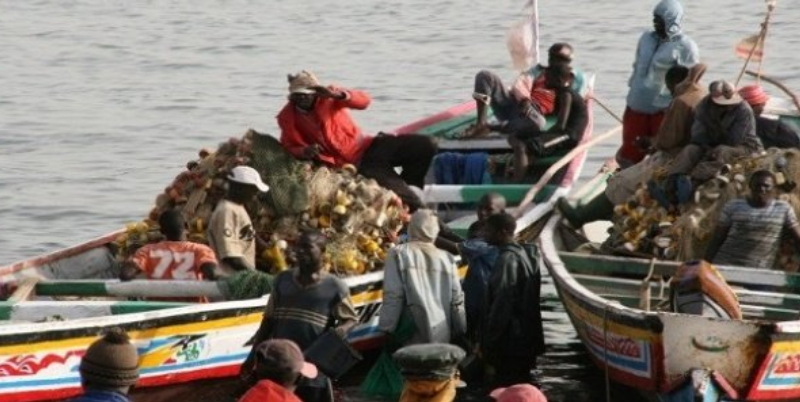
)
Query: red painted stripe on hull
[{"x": 453, "y": 111}]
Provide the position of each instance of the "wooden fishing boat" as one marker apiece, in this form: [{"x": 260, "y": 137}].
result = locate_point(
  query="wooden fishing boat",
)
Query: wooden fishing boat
[
  {"x": 46, "y": 323},
  {"x": 679, "y": 357}
]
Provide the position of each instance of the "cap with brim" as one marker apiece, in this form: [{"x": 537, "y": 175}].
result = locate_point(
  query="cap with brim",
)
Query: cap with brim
[
  {"x": 724, "y": 93},
  {"x": 305, "y": 91},
  {"x": 518, "y": 393},
  {"x": 281, "y": 355},
  {"x": 248, "y": 175}
]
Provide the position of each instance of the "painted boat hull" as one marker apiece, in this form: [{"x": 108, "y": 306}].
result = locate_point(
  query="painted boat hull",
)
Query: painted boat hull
[
  {"x": 38, "y": 361},
  {"x": 656, "y": 352}
]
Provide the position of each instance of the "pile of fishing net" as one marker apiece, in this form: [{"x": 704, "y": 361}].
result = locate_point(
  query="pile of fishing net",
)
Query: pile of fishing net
[
  {"x": 643, "y": 227},
  {"x": 360, "y": 218}
]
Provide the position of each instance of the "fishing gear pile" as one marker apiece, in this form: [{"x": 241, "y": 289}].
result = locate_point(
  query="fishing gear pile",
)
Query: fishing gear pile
[
  {"x": 360, "y": 218},
  {"x": 647, "y": 227}
]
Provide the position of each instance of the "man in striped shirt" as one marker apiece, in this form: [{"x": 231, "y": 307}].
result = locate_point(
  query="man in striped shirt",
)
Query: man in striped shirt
[
  {"x": 304, "y": 303},
  {"x": 749, "y": 230}
]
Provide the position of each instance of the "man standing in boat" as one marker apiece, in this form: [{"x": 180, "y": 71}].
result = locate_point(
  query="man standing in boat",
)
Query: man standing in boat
[
  {"x": 749, "y": 231},
  {"x": 316, "y": 125},
  {"x": 305, "y": 303},
  {"x": 513, "y": 336},
  {"x": 230, "y": 231},
  {"x": 658, "y": 50}
]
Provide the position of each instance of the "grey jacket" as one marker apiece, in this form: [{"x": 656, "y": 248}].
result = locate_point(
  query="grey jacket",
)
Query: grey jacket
[
  {"x": 735, "y": 127},
  {"x": 422, "y": 280}
]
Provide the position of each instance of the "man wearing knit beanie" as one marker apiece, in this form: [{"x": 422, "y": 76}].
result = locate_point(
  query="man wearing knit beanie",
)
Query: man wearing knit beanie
[
  {"x": 772, "y": 132},
  {"x": 109, "y": 368}
]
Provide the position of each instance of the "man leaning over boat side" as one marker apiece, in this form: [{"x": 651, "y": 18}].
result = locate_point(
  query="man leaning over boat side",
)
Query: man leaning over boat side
[
  {"x": 305, "y": 303},
  {"x": 658, "y": 50},
  {"x": 513, "y": 336},
  {"x": 172, "y": 258},
  {"x": 231, "y": 233},
  {"x": 422, "y": 281},
  {"x": 749, "y": 231},
  {"x": 109, "y": 368},
  {"x": 772, "y": 132},
  {"x": 672, "y": 136},
  {"x": 316, "y": 125},
  {"x": 524, "y": 106}
]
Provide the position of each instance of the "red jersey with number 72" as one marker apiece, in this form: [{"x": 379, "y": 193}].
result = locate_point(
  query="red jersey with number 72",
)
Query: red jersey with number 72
[{"x": 173, "y": 260}]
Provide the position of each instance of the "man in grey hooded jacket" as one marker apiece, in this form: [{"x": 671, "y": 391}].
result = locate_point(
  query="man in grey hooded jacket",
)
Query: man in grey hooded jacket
[
  {"x": 422, "y": 280},
  {"x": 648, "y": 97}
]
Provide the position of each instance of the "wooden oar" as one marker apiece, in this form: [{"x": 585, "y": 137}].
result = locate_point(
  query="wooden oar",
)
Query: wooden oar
[
  {"x": 780, "y": 85},
  {"x": 558, "y": 165}
]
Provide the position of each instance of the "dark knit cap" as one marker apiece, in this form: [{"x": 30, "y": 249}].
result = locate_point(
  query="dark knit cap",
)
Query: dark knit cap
[{"x": 111, "y": 361}]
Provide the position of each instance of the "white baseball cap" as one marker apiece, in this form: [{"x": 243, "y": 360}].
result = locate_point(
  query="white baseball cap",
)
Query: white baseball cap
[{"x": 248, "y": 175}]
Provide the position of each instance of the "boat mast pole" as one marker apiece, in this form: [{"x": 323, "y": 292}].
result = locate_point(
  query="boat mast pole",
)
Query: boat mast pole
[{"x": 759, "y": 41}]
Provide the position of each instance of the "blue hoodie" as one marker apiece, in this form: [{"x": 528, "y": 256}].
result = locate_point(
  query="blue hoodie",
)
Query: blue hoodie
[{"x": 654, "y": 56}]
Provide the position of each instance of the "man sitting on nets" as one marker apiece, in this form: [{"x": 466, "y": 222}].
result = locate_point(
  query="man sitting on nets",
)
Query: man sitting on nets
[
  {"x": 749, "y": 231},
  {"x": 316, "y": 125}
]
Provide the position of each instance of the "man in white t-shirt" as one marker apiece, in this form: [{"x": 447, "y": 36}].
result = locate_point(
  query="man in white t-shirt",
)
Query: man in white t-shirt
[{"x": 230, "y": 232}]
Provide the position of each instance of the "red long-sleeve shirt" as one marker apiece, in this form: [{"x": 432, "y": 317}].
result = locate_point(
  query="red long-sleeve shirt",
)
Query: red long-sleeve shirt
[{"x": 329, "y": 125}]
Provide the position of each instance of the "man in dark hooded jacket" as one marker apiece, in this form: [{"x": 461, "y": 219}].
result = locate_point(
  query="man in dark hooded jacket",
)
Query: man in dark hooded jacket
[{"x": 513, "y": 335}]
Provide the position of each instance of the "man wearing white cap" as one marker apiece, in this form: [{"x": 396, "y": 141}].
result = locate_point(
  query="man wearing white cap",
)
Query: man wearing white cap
[
  {"x": 230, "y": 232},
  {"x": 724, "y": 128}
]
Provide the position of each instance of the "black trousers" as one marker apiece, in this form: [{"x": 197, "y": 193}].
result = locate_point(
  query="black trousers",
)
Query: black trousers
[{"x": 412, "y": 152}]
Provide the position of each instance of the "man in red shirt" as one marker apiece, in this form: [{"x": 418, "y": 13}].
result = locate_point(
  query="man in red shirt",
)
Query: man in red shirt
[
  {"x": 316, "y": 125},
  {"x": 279, "y": 364},
  {"x": 173, "y": 258}
]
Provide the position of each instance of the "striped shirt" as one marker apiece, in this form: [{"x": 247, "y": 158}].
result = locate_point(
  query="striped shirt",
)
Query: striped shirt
[{"x": 754, "y": 234}]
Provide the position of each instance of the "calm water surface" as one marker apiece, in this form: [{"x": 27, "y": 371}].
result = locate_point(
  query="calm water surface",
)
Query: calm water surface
[{"x": 103, "y": 102}]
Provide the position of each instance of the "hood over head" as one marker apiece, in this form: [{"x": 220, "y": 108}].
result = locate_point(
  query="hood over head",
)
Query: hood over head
[
  {"x": 424, "y": 226},
  {"x": 692, "y": 81},
  {"x": 672, "y": 13}
]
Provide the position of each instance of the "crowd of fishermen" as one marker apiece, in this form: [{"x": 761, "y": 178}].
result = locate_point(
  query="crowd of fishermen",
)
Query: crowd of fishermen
[
  {"x": 434, "y": 322},
  {"x": 677, "y": 134}
]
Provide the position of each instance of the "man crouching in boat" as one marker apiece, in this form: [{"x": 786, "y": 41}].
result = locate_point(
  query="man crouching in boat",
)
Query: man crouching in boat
[
  {"x": 672, "y": 136},
  {"x": 173, "y": 258},
  {"x": 748, "y": 233},
  {"x": 315, "y": 125}
]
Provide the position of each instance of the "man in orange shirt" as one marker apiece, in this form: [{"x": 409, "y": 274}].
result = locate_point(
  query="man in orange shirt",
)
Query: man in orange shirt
[
  {"x": 316, "y": 125},
  {"x": 173, "y": 258}
]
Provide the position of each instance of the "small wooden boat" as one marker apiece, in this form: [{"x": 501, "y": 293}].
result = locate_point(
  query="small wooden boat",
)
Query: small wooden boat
[
  {"x": 46, "y": 323},
  {"x": 671, "y": 356}
]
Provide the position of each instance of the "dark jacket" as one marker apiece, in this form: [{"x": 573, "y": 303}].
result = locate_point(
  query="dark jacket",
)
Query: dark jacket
[
  {"x": 513, "y": 322},
  {"x": 775, "y": 133},
  {"x": 733, "y": 127}
]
